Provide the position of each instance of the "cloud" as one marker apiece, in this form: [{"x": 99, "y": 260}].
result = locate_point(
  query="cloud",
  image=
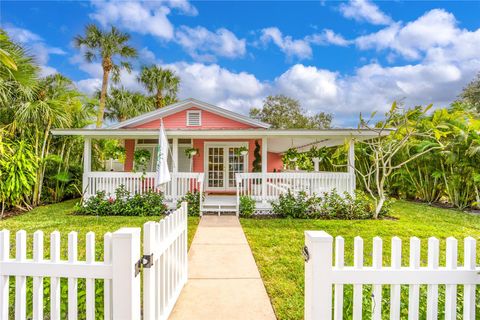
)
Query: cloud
[
  {"x": 35, "y": 46},
  {"x": 436, "y": 28},
  {"x": 205, "y": 45},
  {"x": 299, "y": 48},
  {"x": 366, "y": 11},
  {"x": 326, "y": 37},
  {"x": 144, "y": 17}
]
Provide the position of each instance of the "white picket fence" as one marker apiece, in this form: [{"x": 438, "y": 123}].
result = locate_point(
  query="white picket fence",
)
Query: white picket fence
[
  {"x": 164, "y": 276},
  {"x": 321, "y": 275}
]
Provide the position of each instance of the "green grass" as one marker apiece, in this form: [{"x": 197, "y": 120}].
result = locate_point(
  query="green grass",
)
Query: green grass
[
  {"x": 60, "y": 217},
  {"x": 277, "y": 245}
]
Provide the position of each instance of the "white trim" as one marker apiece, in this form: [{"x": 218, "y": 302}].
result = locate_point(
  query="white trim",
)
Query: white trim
[
  {"x": 185, "y": 104},
  {"x": 225, "y": 146},
  {"x": 189, "y": 112}
]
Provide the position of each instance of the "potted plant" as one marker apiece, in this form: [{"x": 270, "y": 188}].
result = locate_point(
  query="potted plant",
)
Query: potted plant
[
  {"x": 242, "y": 151},
  {"x": 141, "y": 158},
  {"x": 190, "y": 152}
]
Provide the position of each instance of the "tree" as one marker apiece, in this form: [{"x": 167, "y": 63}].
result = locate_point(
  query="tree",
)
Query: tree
[
  {"x": 106, "y": 46},
  {"x": 162, "y": 83},
  {"x": 123, "y": 104},
  {"x": 471, "y": 93},
  {"x": 392, "y": 136},
  {"x": 283, "y": 112}
]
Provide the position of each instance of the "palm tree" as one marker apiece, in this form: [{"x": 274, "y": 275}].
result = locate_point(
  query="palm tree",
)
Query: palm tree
[
  {"x": 122, "y": 104},
  {"x": 163, "y": 83},
  {"x": 106, "y": 46}
]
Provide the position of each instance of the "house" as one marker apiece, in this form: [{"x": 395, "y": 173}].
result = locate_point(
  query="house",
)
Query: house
[{"x": 223, "y": 166}]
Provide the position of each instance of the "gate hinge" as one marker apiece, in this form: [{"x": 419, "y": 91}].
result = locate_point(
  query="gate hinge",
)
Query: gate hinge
[
  {"x": 146, "y": 261},
  {"x": 306, "y": 254}
]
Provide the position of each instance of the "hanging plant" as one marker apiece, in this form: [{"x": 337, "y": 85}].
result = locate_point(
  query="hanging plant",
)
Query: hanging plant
[
  {"x": 190, "y": 152},
  {"x": 141, "y": 158},
  {"x": 289, "y": 158},
  {"x": 242, "y": 151}
]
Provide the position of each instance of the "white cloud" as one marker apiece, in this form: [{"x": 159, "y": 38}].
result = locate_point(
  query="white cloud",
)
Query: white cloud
[
  {"x": 436, "y": 28},
  {"x": 298, "y": 48},
  {"x": 144, "y": 17},
  {"x": 35, "y": 46},
  {"x": 203, "y": 44},
  {"x": 328, "y": 36},
  {"x": 364, "y": 10}
]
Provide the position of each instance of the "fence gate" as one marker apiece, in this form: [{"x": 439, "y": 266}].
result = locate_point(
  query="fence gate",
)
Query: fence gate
[
  {"x": 164, "y": 265},
  {"x": 325, "y": 280}
]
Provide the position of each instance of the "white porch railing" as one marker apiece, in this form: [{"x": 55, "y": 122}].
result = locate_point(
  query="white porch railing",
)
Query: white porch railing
[
  {"x": 267, "y": 187},
  {"x": 138, "y": 183},
  {"x": 322, "y": 275}
]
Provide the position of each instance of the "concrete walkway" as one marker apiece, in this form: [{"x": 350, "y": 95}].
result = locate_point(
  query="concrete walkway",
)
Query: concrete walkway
[{"x": 224, "y": 282}]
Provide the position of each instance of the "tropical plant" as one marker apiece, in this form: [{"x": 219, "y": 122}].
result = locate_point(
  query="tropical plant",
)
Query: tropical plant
[
  {"x": 162, "y": 83},
  {"x": 246, "y": 206},
  {"x": 112, "y": 49},
  {"x": 17, "y": 174},
  {"x": 122, "y": 104}
]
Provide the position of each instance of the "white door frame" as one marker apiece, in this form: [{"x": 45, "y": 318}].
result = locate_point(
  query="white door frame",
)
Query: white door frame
[{"x": 225, "y": 145}]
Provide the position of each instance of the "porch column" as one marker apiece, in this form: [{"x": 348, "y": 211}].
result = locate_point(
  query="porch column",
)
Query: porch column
[
  {"x": 264, "y": 169},
  {"x": 87, "y": 163},
  {"x": 174, "y": 168},
  {"x": 351, "y": 165}
]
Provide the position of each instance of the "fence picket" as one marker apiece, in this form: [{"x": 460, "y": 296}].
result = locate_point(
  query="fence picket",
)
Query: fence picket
[
  {"x": 149, "y": 242},
  {"x": 55, "y": 281},
  {"x": 107, "y": 283},
  {"x": 90, "y": 283},
  {"x": 38, "y": 281},
  {"x": 395, "y": 289},
  {"x": 21, "y": 281},
  {"x": 432, "y": 289},
  {"x": 72, "y": 282},
  {"x": 339, "y": 263},
  {"x": 451, "y": 289},
  {"x": 414, "y": 289},
  {"x": 470, "y": 262},
  {"x": 377, "y": 256},
  {"x": 357, "y": 288}
]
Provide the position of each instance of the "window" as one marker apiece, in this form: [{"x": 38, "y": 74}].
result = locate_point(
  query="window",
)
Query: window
[{"x": 194, "y": 118}]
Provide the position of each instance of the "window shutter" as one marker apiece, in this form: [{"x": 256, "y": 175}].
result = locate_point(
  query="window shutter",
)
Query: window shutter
[{"x": 194, "y": 118}]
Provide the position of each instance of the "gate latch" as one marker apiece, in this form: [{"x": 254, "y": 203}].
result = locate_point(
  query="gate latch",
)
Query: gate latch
[
  {"x": 305, "y": 253},
  {"x": 146, "y": 261}
]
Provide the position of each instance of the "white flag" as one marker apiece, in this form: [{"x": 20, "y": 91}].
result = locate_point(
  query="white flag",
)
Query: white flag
[{"x": 162, "y": 173}]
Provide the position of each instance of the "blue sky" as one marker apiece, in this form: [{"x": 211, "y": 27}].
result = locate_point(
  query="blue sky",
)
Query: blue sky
[{"x": 338, "y": 57}]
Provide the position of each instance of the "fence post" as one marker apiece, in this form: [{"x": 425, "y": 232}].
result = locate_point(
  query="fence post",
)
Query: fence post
[
  {"x": 125, "y": 284},
  {"x": 318, "y": 268}
]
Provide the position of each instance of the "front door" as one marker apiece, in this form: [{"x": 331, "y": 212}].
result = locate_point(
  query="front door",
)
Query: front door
[{"x": 222, "y": 162}]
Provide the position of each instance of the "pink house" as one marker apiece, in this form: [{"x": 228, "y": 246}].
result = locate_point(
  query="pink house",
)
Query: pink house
[{"x": 224, "y": 145}]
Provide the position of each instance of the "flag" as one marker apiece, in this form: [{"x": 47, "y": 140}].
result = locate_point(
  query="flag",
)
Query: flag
[{"x": 162, "y": 174}]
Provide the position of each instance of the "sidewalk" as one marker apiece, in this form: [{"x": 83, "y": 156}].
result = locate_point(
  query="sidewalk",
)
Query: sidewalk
[{"x": 223, "y": 279}]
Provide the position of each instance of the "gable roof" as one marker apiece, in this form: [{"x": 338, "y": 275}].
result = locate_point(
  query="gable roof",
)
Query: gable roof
[{"x": 183, "y": 105}]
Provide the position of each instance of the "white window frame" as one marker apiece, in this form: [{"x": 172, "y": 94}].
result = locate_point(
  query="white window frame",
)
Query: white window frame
[{"x": 199, "y": 112}]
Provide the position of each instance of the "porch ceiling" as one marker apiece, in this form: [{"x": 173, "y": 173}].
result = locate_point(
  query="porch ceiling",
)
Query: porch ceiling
[{"x": 278, "y": 140}]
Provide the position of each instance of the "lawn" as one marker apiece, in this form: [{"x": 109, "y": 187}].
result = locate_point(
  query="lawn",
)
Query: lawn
[
  {"x": 277, "y": 244},
  {"x": 60, "y": 217}
]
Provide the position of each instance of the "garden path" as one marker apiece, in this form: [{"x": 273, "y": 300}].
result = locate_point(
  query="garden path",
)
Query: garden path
[{"x": 223, "y": 279}]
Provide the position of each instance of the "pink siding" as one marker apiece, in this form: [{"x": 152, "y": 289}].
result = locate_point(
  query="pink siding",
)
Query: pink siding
[
  {"x": 209, "y": 121},
  {"x": 129, "y": 150}
]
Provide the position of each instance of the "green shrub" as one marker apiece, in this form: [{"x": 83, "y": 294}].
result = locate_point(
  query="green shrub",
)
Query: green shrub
[
  {"x": 330, "y": 205},
  {"x": 193, "y": 200},
  {"x": 246, "y": 206},
  {"x": 123, "y": 204}
]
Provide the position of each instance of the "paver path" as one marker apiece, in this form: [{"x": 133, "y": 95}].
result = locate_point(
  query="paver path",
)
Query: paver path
[{"x": 223, "y": 279}]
